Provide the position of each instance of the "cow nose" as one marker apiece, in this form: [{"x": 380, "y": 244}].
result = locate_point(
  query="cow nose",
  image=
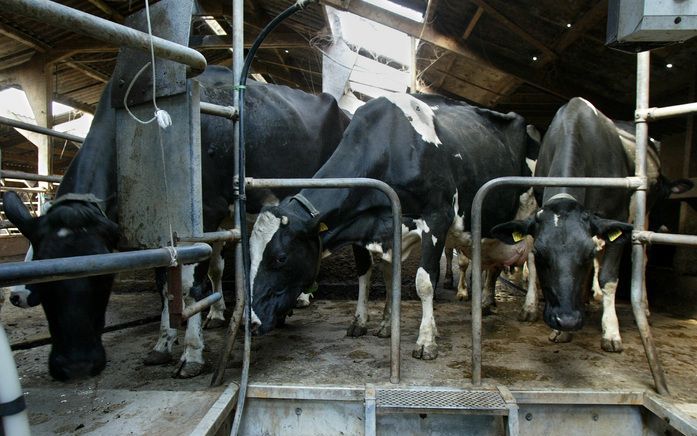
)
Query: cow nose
[
  {"x": 256, "y": 322},
  {"x": 569, "y": 321}
]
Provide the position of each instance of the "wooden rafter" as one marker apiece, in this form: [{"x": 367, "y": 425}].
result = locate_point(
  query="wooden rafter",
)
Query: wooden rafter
[
  {"x": 23, "y": 37},
  {"x": 111, "y": 13},
  {"x": 513, "y": 27},
  {"x": 88, "y": 71},
  {"x": 473, "y": 23},
  {"x": 581, "y": 26}
]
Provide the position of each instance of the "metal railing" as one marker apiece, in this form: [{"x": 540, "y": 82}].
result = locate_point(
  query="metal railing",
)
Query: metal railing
[{"x": 38, "y": 129}]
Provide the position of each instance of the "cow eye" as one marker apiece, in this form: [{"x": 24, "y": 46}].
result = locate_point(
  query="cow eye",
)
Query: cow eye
[{"x": 281, "y": 259}]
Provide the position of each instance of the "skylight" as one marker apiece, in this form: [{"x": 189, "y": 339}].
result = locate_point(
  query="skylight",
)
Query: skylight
[
  {"x": 398, "y": 9},
  {"x": 376, "y": 38}
]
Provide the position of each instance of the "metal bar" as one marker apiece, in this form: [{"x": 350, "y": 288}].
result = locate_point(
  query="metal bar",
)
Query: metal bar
[
  {"x": 512, "y": 422},
  {"x": 200, "y": 305},
  {"x": 237, "y": 63},
  {"x": 638, "y": 250},
  {"x": 104, "y": 30},
  {"x": 664, "y": 238},
  {"x": 476, "y": 230},
  {"x": 579, "y": 397},
  {"x": 207, "y": 237},
  {"x": 229, "y": 112},
  {"x": 658, "y": 113},
  {"x": 676, "y": 418},
  {"x": 396, "y": 242},
  {"x": 38, "y": 129},
  {"x": 9, "y": 174},
  {"x": 38, "y": 271},
  {"x": 175, "y": 297},
  {"x": 370, "y": 418}
]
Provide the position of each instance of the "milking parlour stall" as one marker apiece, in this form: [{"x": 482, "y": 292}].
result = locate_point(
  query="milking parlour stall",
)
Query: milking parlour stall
[{"x": 197, "y": 198}]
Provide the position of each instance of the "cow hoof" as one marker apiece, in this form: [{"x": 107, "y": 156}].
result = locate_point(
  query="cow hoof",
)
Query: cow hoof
[
  {"x": 560, "y": 337},
  {"x": 355, "y": 330},
  {"x": 448, "y": 283},
  {"x": 214, "y": 323},
  {"x": 611, "y": 345},
  {"x": 157, "y": 358},
  {"x": 526, "y": 315},
  {"x": 462, "y": 296},
  {"x": 385, "y": 330},
  {"x": 188, "y": 370},
  {"x": 425, "y": 352},
  {"x": 489, "y": 310}
]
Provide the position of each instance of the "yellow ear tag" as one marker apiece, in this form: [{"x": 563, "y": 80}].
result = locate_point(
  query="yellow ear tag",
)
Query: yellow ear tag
[
  {"x": 323, "y": 227},
  {"x": 614, "y": 235},
  {"x": 517, "y": 236}
]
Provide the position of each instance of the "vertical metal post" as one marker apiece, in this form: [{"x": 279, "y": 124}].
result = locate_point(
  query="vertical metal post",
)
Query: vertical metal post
[
  {"x": 237, "y": 63},
  {"x": 638, "y": 253},
  {"x": 370, "y": 418},
  {"x": 476, "y": 229}
]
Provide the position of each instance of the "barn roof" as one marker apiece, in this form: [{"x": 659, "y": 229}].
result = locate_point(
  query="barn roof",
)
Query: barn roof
[{"x": 528, "y": 56}]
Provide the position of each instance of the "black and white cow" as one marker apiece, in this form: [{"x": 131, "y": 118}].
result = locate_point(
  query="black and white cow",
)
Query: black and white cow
[
  {"x": 289, "y": 134},
  {"x": 576, "y": 227},
  {"x": 435, "y": 152}
]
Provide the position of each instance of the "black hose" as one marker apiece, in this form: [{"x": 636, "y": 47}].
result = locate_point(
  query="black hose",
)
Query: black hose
[{"x": 242, "y": 203}]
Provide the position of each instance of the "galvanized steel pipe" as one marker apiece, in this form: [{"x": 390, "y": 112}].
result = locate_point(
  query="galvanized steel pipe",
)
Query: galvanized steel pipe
[
  {"x": 208, "y": 237},
  {"x": 396, "y": 242},
  {"x": 229, "y": 112},
  {"x": 38, "y": 129},
  {"x": 664, "y": 238},
  {"x": 200, "y": 305},
  {"x": 638, "y": 250},
  {"x": 476, "y": 230},
  {"x": 8, "y": 174},
  {"x": 659, "y": 113},
  {"x": 38, "y": 271},
  {"x": 104, "y": 30}
]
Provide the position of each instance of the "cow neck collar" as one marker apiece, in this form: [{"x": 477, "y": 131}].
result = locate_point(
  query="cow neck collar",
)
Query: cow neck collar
[
  {"x": 562, "y": 196},
  {"x": 306, "y": 204},
  {"x": 84, "y": 198}
]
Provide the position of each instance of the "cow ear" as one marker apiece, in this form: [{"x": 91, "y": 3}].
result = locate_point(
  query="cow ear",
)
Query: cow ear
[
  {"x": 513, "y": 232},
  {"x": 18, "y": 214},
  {"x": 681, "y": 186},
  {"x": 611, "y": 230}
]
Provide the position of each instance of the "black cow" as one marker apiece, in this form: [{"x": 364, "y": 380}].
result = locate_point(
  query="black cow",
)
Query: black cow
[
  {"x": 576, "y": 227},
  {"x": 435, "y": 152},
  {"x": 289, "y": 134}
]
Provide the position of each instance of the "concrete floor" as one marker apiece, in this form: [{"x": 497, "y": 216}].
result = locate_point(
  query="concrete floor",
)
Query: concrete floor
[{"x": 313, "y": 349}]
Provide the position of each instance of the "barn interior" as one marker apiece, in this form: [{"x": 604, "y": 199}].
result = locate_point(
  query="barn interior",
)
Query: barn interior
[{"x": 529, "y": 57}]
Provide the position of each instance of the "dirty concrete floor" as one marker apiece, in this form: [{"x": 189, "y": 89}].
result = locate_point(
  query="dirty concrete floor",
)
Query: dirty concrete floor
[{"x": 313, "y": 349}]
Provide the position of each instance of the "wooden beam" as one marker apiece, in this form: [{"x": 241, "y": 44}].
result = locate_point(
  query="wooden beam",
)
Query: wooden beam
[
  {"x": 111, "y": 13},
  {"x": 581, "y": 26},
  {"x": 473, "y": 22},
  {"x": 286, "y": 67},
  {"x": 88, "y": 71},
  {"x": 23, "y": 38},
  {"x": 16, "y": 59},
  {"x": 513, "y": 27}
]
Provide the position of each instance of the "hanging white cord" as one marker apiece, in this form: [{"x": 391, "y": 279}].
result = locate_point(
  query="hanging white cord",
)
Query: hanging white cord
[{"x": 161, "y": 115}]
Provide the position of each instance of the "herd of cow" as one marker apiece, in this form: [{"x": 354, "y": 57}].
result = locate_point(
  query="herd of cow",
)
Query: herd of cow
[{"x": 433, "y": 151}]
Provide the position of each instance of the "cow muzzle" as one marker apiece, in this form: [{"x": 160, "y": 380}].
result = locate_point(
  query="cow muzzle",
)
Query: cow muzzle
[{"x": 564, "y": 320}]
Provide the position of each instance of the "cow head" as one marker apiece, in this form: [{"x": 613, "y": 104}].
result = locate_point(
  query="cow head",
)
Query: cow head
[
  {"x": 564, "y": 249},
  {"x": 74, "y": 308},
  {"x": 285, "y": 256}
]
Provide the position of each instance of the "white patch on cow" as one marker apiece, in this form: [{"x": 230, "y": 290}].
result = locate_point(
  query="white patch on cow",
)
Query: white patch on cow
[
  {"x": 595, "y": 111},
  {"x": 539, "y": 212},
  {"x": 611, "y": 328},
  {"x": 63, "y": 232},
  {"x": 265, "y": 227},
  {"x": 326, "y": 253},
  {"x": 167, "y": 334},
  {"x": 532, "y": 164},
  {"x": 419, "y": 114},
  {"x": 215, "y": 273},
  {"x": 193, "y": 339},
  {"x": 424, "y": 288},
  {"x": 527, "y": 205},
  {"x": 599, "y": 246},
  {"x": 255, "y": 319},
  {"x": 556, "y": 220},
  {"x": 435, "y": 107},
  {"x": 459, "y": 156},
  {"x": 361, "y": 316},
  {"x": 533, "y": 133},
  {"x": 435, "y": 240},
  {"x": 20, "y": 291},
  {"x": 303, "y": 300},
  {"x": 422, "y": 226}
]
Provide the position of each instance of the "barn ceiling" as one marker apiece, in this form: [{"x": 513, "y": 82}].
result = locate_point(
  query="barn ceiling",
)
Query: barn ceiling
[{"x": 528, "y": 56}]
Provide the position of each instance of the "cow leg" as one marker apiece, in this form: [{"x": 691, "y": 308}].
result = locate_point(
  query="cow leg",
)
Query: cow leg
[
  {"x": 448, "y": 281},
  {"x": 489, "y": 291},
  {"x": 216, "y": 314},
  {"x": 162, "y": 351},
  {"x": 560, "y": 337},
  {"x": 432, "y": 245},
  {"x": 191, "y": 362},
  {"x": 465, "y": 276},
  {"x": 385, "y": 329},
  {"x": 611, "y": 340},
  {"x": 364, "y": 268},
  {"x": 529, "y": 312}
]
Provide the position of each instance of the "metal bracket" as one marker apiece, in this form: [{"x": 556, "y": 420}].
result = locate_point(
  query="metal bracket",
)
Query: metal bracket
[{"x": 370, "y": 412}]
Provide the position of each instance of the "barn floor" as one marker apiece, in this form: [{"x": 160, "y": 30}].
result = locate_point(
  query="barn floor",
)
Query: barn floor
[{"x": 313, "y": 349}]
